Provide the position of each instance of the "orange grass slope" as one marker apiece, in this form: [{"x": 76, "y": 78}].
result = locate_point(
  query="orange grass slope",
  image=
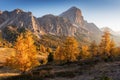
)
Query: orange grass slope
[{"x": 5, "y": 53}]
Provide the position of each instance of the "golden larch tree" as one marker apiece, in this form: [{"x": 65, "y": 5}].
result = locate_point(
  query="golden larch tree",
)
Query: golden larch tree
[
  {"x": 26, "y": 55},
  {"x": 106, "y": 45},
  {"x": 113, "y": 50},
  {"x": 67, "y": 53},
  {"x": 93, "y": 48},
  {"x": 84, "y": 53},
  {"x": 71, "y": 49},
  {"x": 59, "y": 55}
]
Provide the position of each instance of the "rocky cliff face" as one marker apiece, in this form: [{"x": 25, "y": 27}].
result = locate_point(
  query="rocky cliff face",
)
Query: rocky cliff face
[
  {"x": 94, "y": 32},
  {"x": 69, "y": 23},
  {"x": 89, "y": 29},
  {"x": 19, "y": 18},
  {"x": 56, "y": 25},
  {"x": 74, "y": 15}
]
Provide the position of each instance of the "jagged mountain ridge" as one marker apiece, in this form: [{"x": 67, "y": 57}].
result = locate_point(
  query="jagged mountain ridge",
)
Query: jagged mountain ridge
[
  {"x": 69, "y": 23},
  {"x": 19, "y": 18},
  {"x": 56, "y": 25}
]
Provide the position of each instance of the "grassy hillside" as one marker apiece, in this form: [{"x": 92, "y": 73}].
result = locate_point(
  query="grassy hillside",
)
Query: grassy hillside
[{"x": 6, "y": 52}]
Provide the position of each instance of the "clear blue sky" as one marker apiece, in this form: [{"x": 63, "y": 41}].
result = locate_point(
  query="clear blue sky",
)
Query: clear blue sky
[{"x": 101, "y": 12}]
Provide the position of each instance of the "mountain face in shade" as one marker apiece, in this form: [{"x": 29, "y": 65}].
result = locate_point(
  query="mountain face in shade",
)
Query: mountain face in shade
[{"x": 56, "y": 25}]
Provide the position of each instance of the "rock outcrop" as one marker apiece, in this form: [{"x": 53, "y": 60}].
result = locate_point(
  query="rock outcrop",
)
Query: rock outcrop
[
  {"x": 19, "y": 18},
  {"x": 56, "y": 25},
  {"x": 74, "y": 15}
]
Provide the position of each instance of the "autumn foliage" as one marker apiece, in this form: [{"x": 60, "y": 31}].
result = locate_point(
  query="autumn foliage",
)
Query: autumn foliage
[
  {"x": 107, "y": 45},
  {"x": 93, "y": 48},
  {"x": 69, "y": 52},
  {"x": 59, "y": 55},
  {"x": 85, "y": 54},
  {"x": 26, "y": 55}
]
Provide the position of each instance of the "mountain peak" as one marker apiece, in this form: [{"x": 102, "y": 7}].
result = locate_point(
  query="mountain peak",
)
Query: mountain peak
[
  {"x": 18, "y": 10},
  {"x": 18, "y": 18},
  {"x": 74, "y": 9},
  {"x": 74, "y": 14}
]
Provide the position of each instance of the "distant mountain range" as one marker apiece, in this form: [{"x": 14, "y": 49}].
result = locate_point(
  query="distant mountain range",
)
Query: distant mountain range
[
  {"x": 68, "y": 23},
  {"x": 115, "y": 33}
]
